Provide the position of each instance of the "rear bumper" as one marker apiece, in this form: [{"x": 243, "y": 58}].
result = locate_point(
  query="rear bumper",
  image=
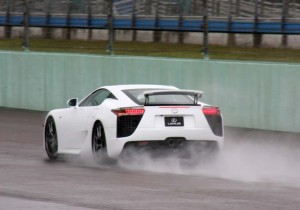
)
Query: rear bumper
[
  {"x": 162, "y": 134},
  {"x": 173, "y": 146},
  {"x": 116, "y": 145}
]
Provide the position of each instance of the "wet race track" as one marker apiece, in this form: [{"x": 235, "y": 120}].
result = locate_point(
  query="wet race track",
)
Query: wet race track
[{"x": 257, "y": 170}]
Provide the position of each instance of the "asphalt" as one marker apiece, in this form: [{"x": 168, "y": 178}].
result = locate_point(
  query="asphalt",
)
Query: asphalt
[{"x": 28, "y": 180}]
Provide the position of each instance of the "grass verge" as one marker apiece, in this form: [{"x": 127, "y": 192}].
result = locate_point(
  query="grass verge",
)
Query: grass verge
[{"x": 155, "y": 49}]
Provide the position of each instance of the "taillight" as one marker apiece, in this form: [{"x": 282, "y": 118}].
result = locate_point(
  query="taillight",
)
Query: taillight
[
  {"x": 211, "y": 110},
  {"x": 214, "y": 119},
  {"x": 128, "y": 111}
]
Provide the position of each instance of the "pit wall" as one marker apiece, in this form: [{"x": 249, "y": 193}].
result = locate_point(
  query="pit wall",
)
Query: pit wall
[{"x": 256, "y": 95}]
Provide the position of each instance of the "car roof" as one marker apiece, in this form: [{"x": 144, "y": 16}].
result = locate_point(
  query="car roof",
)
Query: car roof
[
  {"x": 136, "y": 86},
  {"x": 117, "y": 90}
]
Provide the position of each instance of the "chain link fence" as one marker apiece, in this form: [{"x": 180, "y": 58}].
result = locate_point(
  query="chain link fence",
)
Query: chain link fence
[{"x": 176, "y": 28}]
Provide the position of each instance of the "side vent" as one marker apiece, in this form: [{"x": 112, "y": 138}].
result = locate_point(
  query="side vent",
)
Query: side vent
[{"x": 128, "y": 120}]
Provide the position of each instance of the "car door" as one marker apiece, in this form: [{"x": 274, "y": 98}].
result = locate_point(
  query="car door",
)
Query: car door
[
  {"x": 70, "y": 123},
  {"x": 90, "y": 108},
  {"x": 76, "y": 120}
]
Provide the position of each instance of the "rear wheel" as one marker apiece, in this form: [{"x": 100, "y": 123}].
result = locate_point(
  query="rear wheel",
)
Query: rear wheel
[
  {"x": 99, "y": 143},
  {"x": 51, "y": 141}
]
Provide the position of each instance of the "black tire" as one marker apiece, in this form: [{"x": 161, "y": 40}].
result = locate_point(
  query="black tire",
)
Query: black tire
[
  {"x": 51, "y": 141},
  {"x": 99, "y": 148}
]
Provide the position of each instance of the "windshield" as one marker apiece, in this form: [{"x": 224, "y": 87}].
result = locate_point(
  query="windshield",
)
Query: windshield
[{"x": 137, "y": 95}]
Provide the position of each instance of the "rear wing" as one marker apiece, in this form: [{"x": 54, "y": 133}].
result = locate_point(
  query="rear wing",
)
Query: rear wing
[{"x": 194, "y": 93}]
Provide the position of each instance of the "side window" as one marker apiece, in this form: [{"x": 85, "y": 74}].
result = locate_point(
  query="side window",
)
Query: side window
[{"x": 97, "y": 98}]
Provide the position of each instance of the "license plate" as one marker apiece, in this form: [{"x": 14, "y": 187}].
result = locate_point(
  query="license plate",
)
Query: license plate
[{"x": 174, "y": 121}]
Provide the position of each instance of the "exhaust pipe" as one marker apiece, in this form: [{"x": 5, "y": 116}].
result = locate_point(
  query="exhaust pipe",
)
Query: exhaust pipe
[
  {"x": 171, "y": 142},
  {"x": 175, "y": 142},
  {"x": 179, "y": 142}
]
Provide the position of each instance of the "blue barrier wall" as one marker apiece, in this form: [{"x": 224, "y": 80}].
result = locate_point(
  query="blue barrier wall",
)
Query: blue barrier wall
[
  {"x": 151, "y": 23},
  {"x": 251, "y": 94}
]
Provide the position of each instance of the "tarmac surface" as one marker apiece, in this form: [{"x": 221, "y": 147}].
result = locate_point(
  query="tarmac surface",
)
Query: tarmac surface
[{"x": 28, "y": 180}]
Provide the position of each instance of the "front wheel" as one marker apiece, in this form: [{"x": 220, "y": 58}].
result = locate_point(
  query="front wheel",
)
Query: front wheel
[
  {"x": 99, "y": 143},
  {"x": 51, "y": 141}
]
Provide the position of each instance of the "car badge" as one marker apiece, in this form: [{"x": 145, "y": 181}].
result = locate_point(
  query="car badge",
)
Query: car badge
[
  {"x": 174, "y": 120},
  {"x": 174, "y": 111}
]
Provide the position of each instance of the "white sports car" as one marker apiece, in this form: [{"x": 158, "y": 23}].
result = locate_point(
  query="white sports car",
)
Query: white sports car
[{"x": 113, "y": 118}]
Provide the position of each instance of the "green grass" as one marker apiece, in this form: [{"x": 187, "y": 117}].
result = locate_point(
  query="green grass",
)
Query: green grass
[{"x": 155, "y": 49}]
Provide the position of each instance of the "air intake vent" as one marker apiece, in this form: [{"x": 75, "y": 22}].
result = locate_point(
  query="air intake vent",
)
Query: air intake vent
[{"x": 126, "y": 125}]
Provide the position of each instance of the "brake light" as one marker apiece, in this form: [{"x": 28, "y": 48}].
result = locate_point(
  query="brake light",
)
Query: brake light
[
  {"x": 211, "y": 110},
  {"x": 128, "y": 111},
  {"x": 214, "y": 119}
]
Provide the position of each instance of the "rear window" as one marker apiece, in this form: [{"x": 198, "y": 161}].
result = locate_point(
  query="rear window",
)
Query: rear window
[{"x": 137, "y": 95}]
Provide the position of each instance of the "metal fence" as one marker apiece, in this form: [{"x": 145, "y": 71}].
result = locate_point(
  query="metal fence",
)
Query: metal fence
[
  {"x": 215, "y": 8},
  {"x": 176, "y": 21}
]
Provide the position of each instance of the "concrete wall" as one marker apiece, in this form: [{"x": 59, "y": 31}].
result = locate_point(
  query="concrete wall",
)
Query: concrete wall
[{"x": 250, "y": 94}]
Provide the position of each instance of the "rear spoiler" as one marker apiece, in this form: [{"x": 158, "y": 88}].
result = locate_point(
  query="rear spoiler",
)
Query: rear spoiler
[{"x": 195, "y": 93}]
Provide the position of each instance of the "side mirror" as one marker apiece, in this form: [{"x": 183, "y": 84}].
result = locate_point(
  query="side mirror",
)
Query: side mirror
[{"x": 73, "y": 102}]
